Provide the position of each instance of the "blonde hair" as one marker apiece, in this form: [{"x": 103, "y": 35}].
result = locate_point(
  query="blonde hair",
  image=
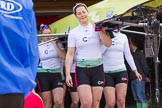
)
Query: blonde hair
[{"x": 78, "y": 5}]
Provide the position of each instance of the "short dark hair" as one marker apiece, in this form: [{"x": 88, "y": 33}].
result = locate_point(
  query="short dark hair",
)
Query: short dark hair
[
  {"x": 78, "y": 5},
  {"x": 133, "y": 41}
]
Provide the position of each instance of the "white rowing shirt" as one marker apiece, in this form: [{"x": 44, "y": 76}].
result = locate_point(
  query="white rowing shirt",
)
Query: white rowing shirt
[
  {"x": 86, "y": 41},
  {"x": 113, "y": 57},
  {"x": 49, "y": 58}
]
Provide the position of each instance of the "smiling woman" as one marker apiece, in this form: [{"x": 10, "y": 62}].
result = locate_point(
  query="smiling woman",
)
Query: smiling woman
[{"x": 89, "y": 69}]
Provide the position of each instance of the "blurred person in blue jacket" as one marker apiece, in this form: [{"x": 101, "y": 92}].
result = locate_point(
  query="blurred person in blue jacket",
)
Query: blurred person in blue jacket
[{"x": 18, "y": 52}]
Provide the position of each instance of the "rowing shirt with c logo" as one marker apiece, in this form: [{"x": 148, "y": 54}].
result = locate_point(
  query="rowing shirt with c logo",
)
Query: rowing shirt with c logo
[
  {"x": 49, "y": 58},
  {"x": 87, "y": 43}
]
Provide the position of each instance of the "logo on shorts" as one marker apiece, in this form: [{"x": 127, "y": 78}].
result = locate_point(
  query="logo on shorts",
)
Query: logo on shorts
[
  {"x": 123, "y": 79},
  {"x": 59, "y": 83},
  {"x": 9, "y": 8},
  {"x": 100, "y": 82}
]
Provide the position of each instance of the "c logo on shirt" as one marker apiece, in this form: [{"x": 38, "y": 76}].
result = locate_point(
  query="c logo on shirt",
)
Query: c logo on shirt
[
  {"x": 85, "y": 39},
  {"x": 46, "y": 52}
]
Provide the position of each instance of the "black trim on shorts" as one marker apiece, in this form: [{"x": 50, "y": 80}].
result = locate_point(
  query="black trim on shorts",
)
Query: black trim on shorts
[
  {"x": 111, "y": 79},
  {"x": 93, "y": 76},
  {"x": 48, "y": 81}
]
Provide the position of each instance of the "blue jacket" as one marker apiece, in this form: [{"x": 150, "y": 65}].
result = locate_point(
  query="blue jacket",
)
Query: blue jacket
[{"x": 18, "y": 46}]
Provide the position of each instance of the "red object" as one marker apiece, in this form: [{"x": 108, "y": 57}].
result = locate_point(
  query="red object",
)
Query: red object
[
  {"x": 33, "y": 101},
  {"x": 46, "y": 19},
  {"x": 98, "y": 27}
]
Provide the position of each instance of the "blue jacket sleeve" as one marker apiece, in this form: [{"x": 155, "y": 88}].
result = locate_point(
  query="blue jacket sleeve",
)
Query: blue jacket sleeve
[{"x": 19, "y": 51}]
